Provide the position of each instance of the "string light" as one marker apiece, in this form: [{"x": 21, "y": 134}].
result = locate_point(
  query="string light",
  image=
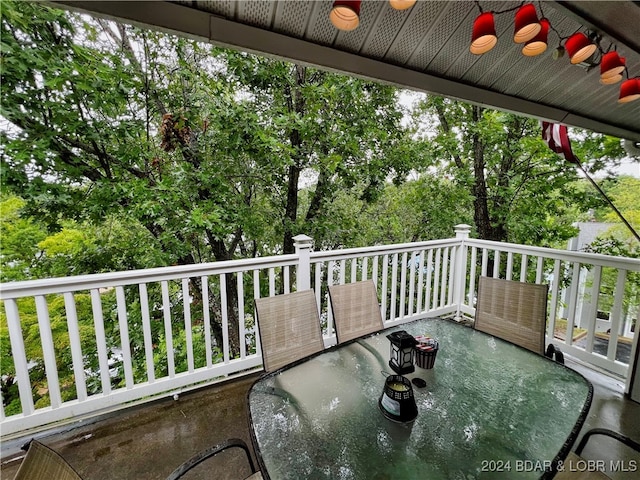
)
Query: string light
[
  {"x": 402, "y": 4},
  {"x": 629, "y": 90},
  {"x": 526, "y": 23},
  {"x": 538, "y": 44},
  {"x": 345, "y": 14}
]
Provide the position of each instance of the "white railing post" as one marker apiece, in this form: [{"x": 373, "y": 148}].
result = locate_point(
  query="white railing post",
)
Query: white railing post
[
  {"x": 460, "y": 272},
  {"x": 303, "y": 245}
]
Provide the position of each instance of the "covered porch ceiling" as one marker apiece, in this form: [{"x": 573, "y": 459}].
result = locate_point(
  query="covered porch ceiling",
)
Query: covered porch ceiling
[{"x": 424, "y": 48}]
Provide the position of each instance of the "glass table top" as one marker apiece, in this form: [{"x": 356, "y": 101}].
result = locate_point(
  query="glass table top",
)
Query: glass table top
[{"x": 489, "y": 409}]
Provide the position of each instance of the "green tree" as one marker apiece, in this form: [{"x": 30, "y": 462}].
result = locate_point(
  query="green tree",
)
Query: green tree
[
  {"x": 201, "y": 147},
  {"x": 522, "y": 192},
  {"x": 18, "y": 240},
  {"x": 346, "y": 132}
]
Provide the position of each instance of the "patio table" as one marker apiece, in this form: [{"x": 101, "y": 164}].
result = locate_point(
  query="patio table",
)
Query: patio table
[{"x": 489, "y": 409}]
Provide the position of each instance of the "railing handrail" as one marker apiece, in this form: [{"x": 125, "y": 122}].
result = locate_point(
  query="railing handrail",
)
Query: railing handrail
[
  {"x": 324, "y": 255},
  {"x": 131, "y": 277},
  {"x": 626, "y": 263}
]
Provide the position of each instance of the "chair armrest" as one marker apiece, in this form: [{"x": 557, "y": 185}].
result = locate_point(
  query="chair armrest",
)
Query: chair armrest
[
  {"x": 210, "y": 452},
  {"x": 609, "y": 433}
]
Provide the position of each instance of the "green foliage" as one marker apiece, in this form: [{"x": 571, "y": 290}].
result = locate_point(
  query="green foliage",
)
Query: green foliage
[
  {"x": 522, "y": 192},
  {"x": 19, "y": 237}
]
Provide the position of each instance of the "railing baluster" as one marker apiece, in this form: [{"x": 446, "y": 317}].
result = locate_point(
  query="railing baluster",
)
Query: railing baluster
[
  {"x": 330, "y": 281},
  {"x": 539, "y": 269},
  {"x": 206, "y": 319},
  {"x": 524, "y": 261},
  {"x": 19, "y": 356},
  {"x": 403, "y": 286},
  {"x": 394, "y": 287},
  {"x": 573, "y": 300},
  {"x": 592, "y": 313},
  {"x": 427, "y": 289},
  {"x": 256, "y": 294},
  {"x": 48, "y": 352},
  {"x": 451, "y": 274},
  {"x": 317, "y": 287},
  {"x": 420, "y": 285},
  {"x": 436, "y": 280},
  {"x": 365, "y": 268},
  {"x": 168, "y": 328},
  {"x": 555, "y": 292},
  {"x": 146, "y": 331},
  {"x": 101, "y": 341},
  {"x": 472, "y": 276},
  {"x": 225, "y": 318},
  {"x": 272, "y": 282},
  {"x": 383, "y": 294},
  {"x": 287, "y": 283},
  {"x": 241, "y": 325},
  {"x": 354, "y": 270},
  {"x": 374, "y": 273},
  {"x": 443, "y": 273},
  {"x": 80, "y": 379},
  {"x": 496, "y": 264},
  {"x": 412, "y": 280},
  {"x": 485, "y": 262},
  {"x": 188, "y": 329},
  {"x": 509, "y": 273},
  {"x": 343, "y": 268},
  {"x": 616, "y": 315}
]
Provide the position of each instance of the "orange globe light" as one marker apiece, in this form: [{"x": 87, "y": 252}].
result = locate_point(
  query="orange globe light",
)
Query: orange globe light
[
  {"x": 526, "y": 24},
  {"x": 345, "y": 15},
  {"x": 538, "y": 44},
  {"x": 579, "y": 47},
  {"x": 484, "y": 36}
]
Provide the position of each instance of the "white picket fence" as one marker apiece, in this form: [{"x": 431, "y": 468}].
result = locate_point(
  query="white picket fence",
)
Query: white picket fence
[{"x": 132, "y": 336}]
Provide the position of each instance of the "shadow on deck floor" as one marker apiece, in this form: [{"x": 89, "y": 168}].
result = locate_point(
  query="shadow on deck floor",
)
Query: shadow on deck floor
[{"x": 148, "y": 442}]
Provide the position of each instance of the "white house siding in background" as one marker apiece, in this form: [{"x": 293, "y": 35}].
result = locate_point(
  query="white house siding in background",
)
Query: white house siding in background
[{"x": 589, "y": 231}]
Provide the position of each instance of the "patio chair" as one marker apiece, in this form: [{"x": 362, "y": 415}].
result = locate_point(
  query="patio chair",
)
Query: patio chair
[
  {"x": 43, "y": 463},
  {"x": 513, "y": 311},
  {"x": 575, "y": 465},
  {"x": 356, "y": 310},
  {"x": 289, "y": 328}
]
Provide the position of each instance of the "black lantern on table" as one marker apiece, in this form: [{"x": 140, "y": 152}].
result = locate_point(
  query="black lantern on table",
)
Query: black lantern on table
[{"x": 402, "y": 344}]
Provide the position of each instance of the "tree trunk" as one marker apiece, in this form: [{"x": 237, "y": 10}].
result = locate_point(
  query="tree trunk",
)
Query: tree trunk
[
  {"x": 296, "y": 103},
  {"x": 488, "y": 229}
]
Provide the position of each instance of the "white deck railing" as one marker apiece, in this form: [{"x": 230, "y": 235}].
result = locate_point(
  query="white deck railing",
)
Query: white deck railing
[{"x": 83, "y": 345}]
